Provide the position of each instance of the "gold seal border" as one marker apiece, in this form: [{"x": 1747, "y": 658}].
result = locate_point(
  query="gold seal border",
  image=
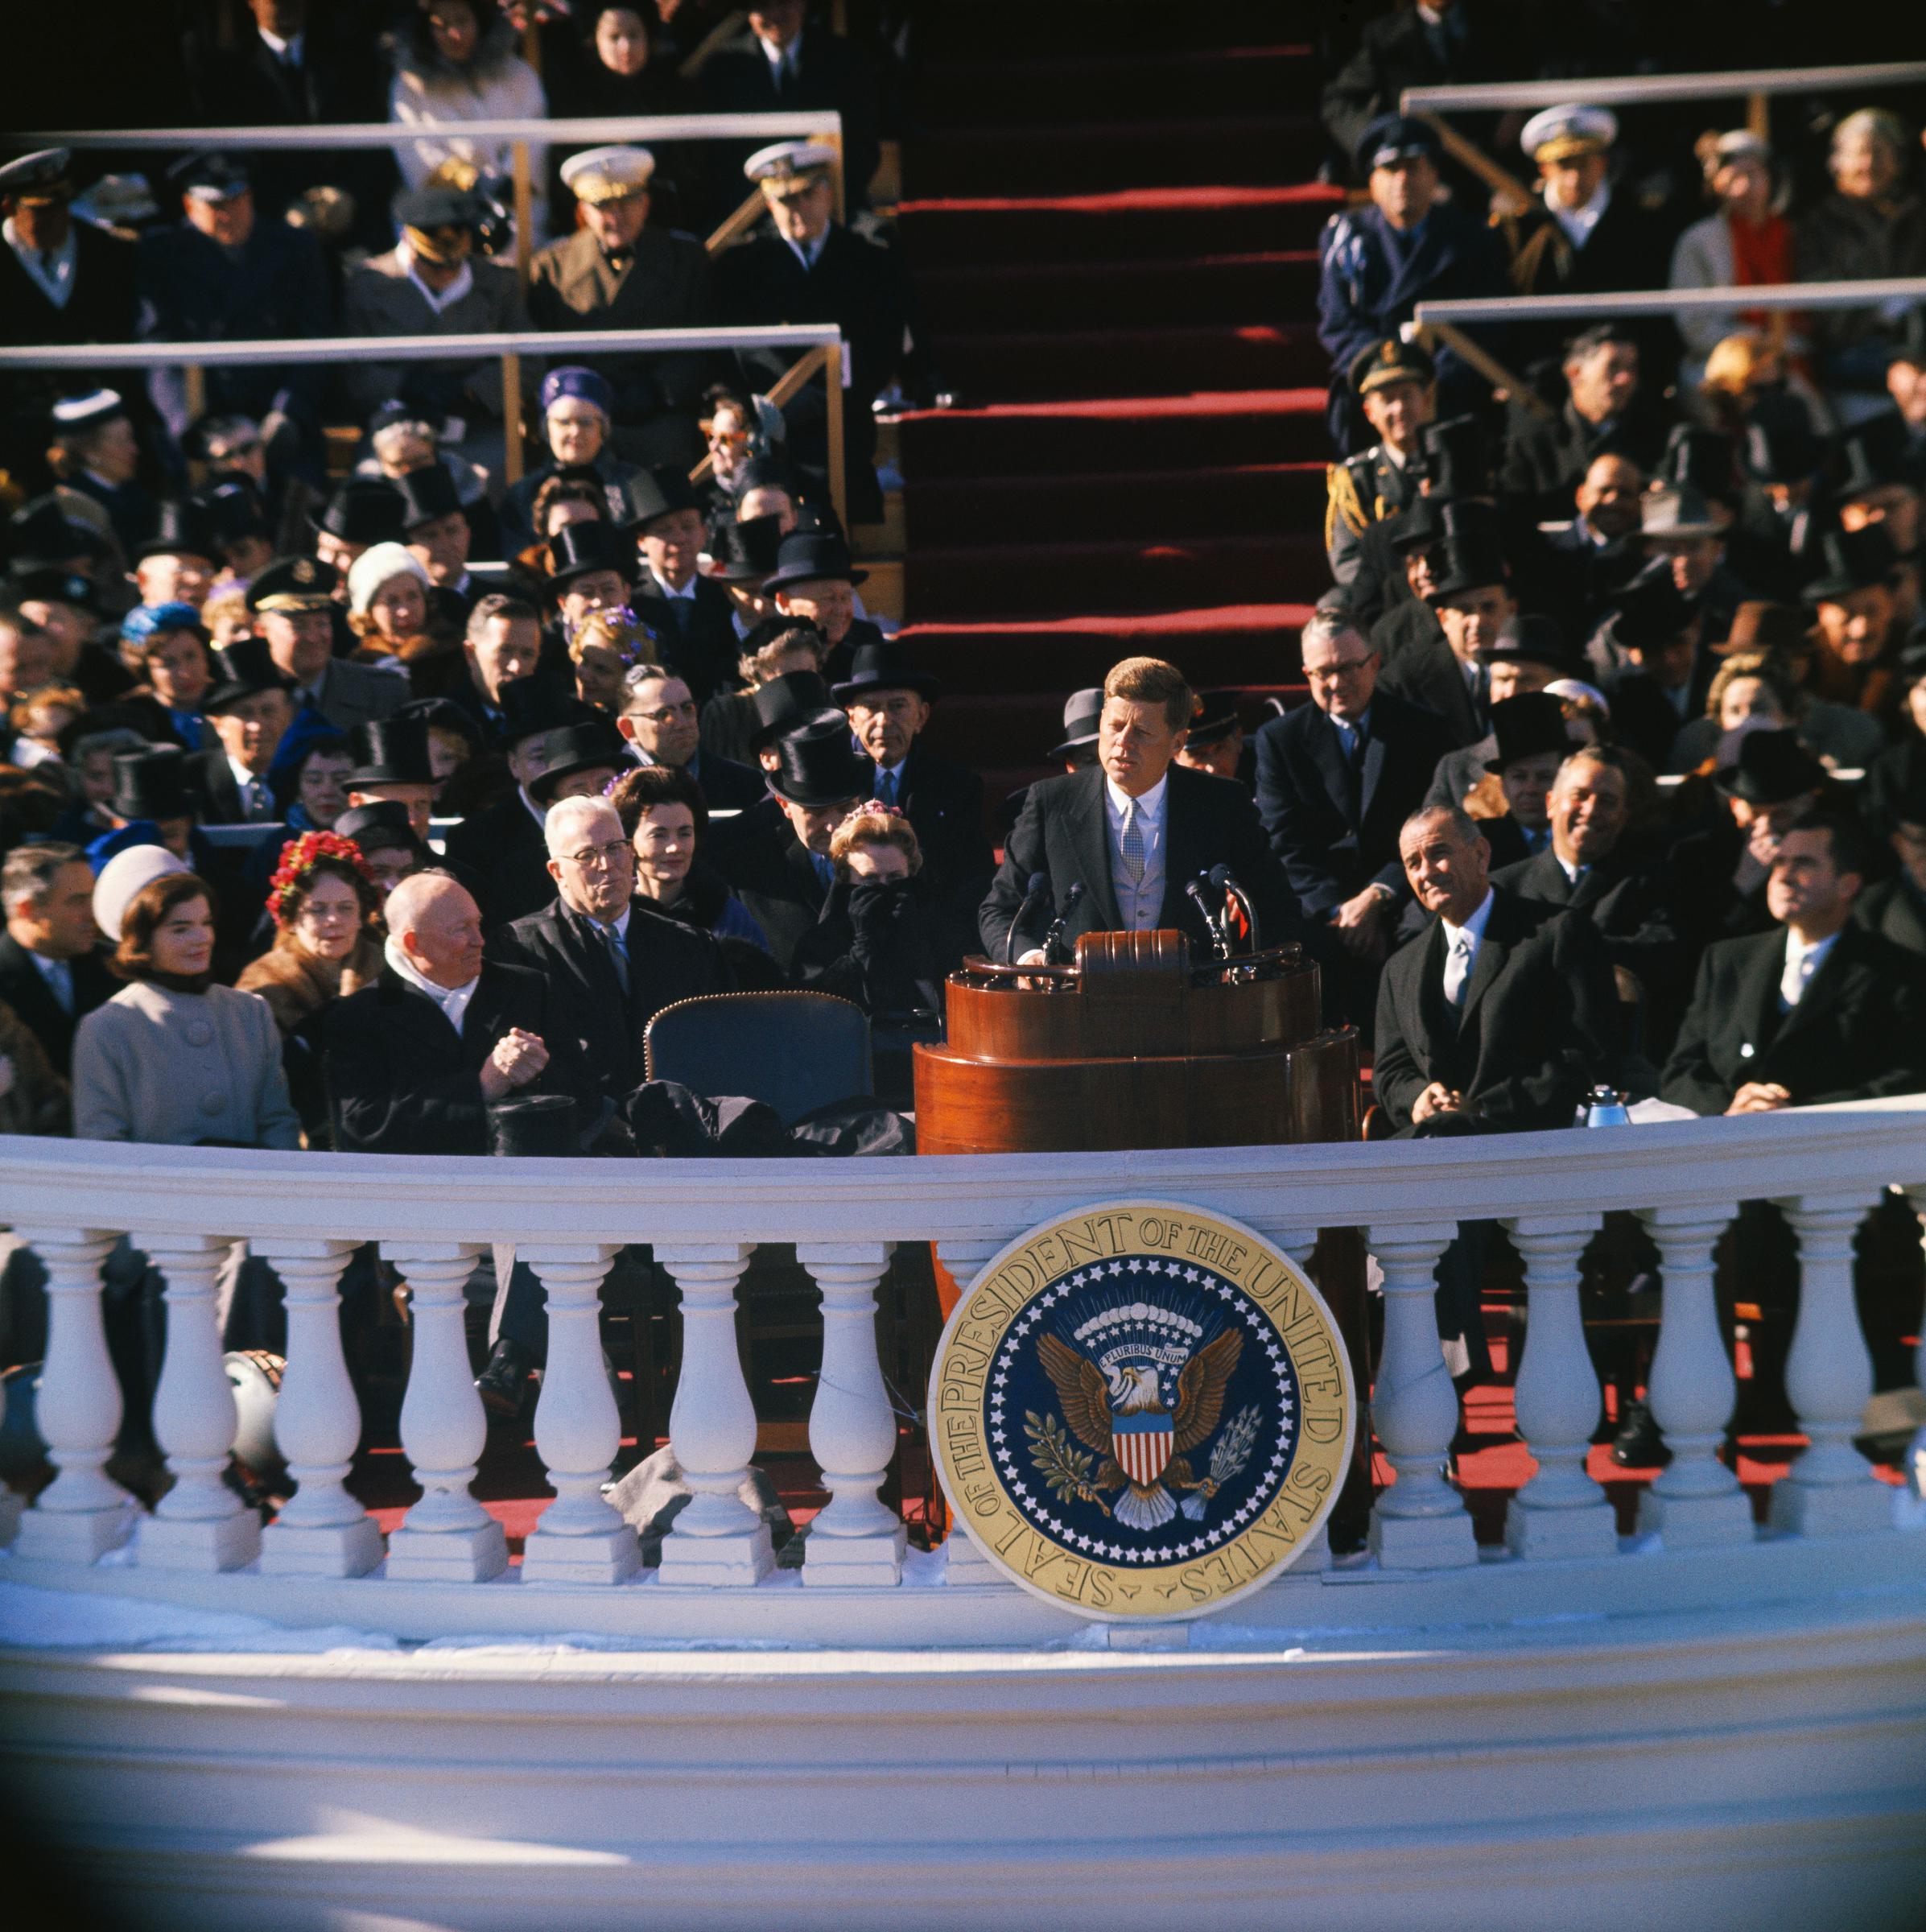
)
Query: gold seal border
[{"x": 1110, "y": 1231}]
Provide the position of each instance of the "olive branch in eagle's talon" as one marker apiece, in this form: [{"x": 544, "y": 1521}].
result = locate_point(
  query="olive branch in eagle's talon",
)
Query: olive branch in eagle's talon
[{"x": 1065, "y": 1470}]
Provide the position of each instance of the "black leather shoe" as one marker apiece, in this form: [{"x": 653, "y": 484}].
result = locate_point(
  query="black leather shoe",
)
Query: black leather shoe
[
  {"x": 504, "y": 1382},
  {"x": 1639, "y": 1444}
]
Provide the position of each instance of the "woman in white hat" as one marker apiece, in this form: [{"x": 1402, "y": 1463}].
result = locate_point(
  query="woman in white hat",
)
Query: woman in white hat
[
  {"x": 172, "y": 1059},
  {"x": 387, "y": 606}
]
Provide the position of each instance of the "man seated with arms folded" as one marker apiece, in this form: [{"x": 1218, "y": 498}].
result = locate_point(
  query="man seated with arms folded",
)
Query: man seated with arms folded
[
  {"x": 1133, "y": 833},
  {"x": 1336, "y": 778},
  {"x": 1819, "y": 1008}
]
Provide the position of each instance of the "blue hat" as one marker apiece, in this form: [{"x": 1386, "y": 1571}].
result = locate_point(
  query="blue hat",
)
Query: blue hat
[
  {"x": 584, "y": 385},
  {"x": 144, "y": 620},
  {"x": 1394, "y": 138},
  {"x": 111, "y": 844}
]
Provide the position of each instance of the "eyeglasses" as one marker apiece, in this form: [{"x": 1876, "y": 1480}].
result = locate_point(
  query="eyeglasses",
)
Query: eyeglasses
[
  {"x": 598, "y": 858},
  {"x": 685, "y": 710},
  {"x": 1330, "y": 674}
]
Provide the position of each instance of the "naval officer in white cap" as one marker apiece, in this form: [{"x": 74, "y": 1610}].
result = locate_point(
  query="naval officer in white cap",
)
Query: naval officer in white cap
[{"x": 617, "y": 272}]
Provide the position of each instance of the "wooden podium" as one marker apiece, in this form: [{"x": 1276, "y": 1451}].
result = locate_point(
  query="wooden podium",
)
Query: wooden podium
[{"x": 1135, "y": 1046}]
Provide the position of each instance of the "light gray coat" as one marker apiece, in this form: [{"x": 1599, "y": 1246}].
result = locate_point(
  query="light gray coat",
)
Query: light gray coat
[{"x": 173, "y": 1068}]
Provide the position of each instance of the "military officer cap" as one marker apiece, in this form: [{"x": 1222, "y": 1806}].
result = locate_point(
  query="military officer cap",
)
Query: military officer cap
[
  {"x": 423, "y": 211},
  {"x": 1394, "y": 138},
  {"x": 293, "y": 584},
  {"x": 609, "y": 174},
  {"x": 1392, "y": 360},
  {"x": 1561, "y": 133},
  {"x": 43, "y": 176},
  {"x": 802, "y": 163},
  {"x": 72, "y": 413},
  {"x": 208, "y": 176}
]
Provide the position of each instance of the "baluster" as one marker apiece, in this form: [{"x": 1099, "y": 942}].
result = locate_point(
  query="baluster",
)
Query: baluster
[
  {"x": 321, "y": 1529},
  {"x": 200, "y": 1524},
  {"x": 10, "y": 1505},
  {"x": 82, "y": 1513},
  {"x": 1420, "y": 1522},
  {"x": 716, "y": 1538},
  {"x": 1831, "y": 1489},
  {"x": 1696, "y": 1500},
  {"x": 448, "y": 1537},
  {"x": 1561, "y": 1511},
  {"x": 856, "y": 1539},
  {"x": 963, "y": 1559},
  {"x": 580, "y": 1536}
]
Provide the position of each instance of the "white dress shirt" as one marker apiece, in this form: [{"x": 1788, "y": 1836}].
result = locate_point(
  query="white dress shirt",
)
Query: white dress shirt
[
  {"x": 446, "y": 298},
  {"x": 287, "y": 52},
  {"x": 452, "y": 1001},
  {"x": 1802, "y": 962},
  {"x": 1578, "y": 222},
  {"x": 51, "y": 274},
  {"x": 687, "y": 593},
  {"x": 1140, "y": 901},
  {"x": 1461, "y": 943}
]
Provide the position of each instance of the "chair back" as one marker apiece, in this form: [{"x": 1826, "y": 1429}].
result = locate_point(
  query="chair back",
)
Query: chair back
[{"x": 795, "y": 1052}]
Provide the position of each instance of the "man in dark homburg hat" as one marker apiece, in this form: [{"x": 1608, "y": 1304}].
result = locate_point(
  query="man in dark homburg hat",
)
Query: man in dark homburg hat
[
  {"x": 814, "y": 582},
  {"x": 1650, "y": 661},
  {"x": 391, "y": 763},
  {"x": 385, "y": 835},
  {"x": 293, "y": 603},
  {"x": 1395, "y": 384},
  {"x": 1531, "y": 741},
  {"x": 437, "y": 532},
  {"x": 1470, "y": 596},
  {"x": 784, "y": 876},
  {"x": 693, "y": 617},
  {"x": 250, "y": 706}
]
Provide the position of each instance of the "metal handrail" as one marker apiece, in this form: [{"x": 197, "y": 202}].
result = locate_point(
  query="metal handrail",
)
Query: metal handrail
[
  {"x": 386, "y": 134},
  {"x": 1633, "y": 90},
  {"x": 1669, "y": 301}
]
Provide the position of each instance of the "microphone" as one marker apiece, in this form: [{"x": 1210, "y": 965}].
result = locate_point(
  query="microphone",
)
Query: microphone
[
  {"x": 1052, "y": 940},
  {"x": 1223, "y": 881},
  {"x": 1038, "y": 890},
  {"x": 1220, "y": 942}
]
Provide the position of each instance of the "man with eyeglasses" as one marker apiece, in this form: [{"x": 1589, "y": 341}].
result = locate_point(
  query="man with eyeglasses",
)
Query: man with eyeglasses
[{"x": 662, "y": 722}]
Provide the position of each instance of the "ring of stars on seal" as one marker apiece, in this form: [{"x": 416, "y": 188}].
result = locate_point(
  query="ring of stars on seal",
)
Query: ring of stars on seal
[{"x": 1141, "y": 1410}]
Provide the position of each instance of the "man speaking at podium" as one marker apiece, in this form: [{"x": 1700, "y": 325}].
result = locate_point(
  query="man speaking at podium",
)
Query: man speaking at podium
[{"x": 1121, "y": 844}]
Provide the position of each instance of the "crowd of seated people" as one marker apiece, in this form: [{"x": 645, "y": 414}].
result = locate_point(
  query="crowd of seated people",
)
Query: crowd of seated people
[{"x": 1610, "y": 767}]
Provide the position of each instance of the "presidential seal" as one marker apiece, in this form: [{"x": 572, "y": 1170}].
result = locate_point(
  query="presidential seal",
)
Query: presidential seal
[{"x": 1142, "y": 1411}]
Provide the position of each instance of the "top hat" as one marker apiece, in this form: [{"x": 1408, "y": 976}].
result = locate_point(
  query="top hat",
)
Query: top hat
[
  {"x": 1532, "y": 640},
  {"x": 245, "y": 670},
  {"x": 1467, "y": 563},
  {"x": 532, "y": 705},
  {"x": 1875, "y": 453},
  {"x": 1650, "y": 611},
  {"x": 538, "y": 1124},
  {"x": 1781, "y": 444},
  {"x": 235, "y": 510},
  {"x": 577, "y": 549},
  {"x": 883, "y": 665},
  {"x": 383, "y": 827},
  {"x": 42, "y": 532},
  {"x": 366, "y": 510},
  {"x": 788, "y": 701},
  {"x": 427, "y": 494},
  {"x": 390, "y": 751},
  {"x": 1854, "y": 559},
  {"x": 1456, "y": 456},
  {"x": 439, "y": 714},
  {"x": 1768, "y": 768},
  {"x": 1082, "y": 711},
  {"x": 1759, "y": 625},
  {"x": 1526, "y": 726},
  {"x": 1701, "y": 457},
  {"x": 1394, "y": 359},
  {"x": 155, "y": 784},
  {"x": 1216, "y": 717},
  {"x": 808, "y": 557},
  {"x": 819, "y": 765},
  {"x": 745, "y": 553},
  {"x": 184, "y": 529},
  {"x": 1419, "y": 525},
  {"x": 592, "y": 746},
  {"x": 53, "y": 586}
]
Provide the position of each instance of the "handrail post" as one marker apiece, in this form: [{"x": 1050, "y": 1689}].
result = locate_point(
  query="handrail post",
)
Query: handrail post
[
  {"x": 839, "y": 185},
  {"x": 525, "y": 212},
  {"x": 511, "y": 417},
  {"x": 194, "y": 390},
  {"x": 1759, "y": 114},
  {"x": 831, "y": 353}
]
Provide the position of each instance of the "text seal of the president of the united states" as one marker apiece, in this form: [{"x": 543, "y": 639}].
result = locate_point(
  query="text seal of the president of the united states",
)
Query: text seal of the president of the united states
[{"x": 1141, "y": 1410}]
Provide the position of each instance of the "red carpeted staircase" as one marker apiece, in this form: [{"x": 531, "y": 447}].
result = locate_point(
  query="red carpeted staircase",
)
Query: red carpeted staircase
[{"x": 1111, "y": 216}]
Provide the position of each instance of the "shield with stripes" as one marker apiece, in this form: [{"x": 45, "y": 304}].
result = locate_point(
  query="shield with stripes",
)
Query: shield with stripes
[{"x": 1141, "y": 1444}]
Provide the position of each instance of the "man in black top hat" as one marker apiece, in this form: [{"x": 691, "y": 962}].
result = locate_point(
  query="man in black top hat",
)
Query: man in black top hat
[
  {"x": 221, "y": 274},
  {"x": 250, "y": 707},
  {"x": 437, "y": 533},
  {"x": 162, "y": 784},
  {"x": 1605, "y": 407},
  {"x": 814, "y": 582},
  {"x": 1379, "y": 262},
  {"x": 692, "y": 616},
  {"x": 1528, "y": 655},
  {"x": 1855, "y": 601},
  {"x": 1133, "y": 834},
  {"x": 591, "y": 567},
  {"x": 1650, "y": 659},
  {"x": 1817, "y": 1008},
  {"x": 1532, "y": 742},
  {"x": 364, "y": 511},
  {"x": 742, "y": 559},
  {"x": 391, "y": 763},
  {"x": 1394, "y": 383},
  {"x": 784, "y": 876},
  {"x": 1774, "y": 543},
  {"x": 1215, "y": 741},
  {"x": 385, "y": 835},
  {"x": 1470, "y": 596},
  {"x": 293, "y": 602},
  {"x": 176, "y": 565},
  {"x": 888, "y": 700}
]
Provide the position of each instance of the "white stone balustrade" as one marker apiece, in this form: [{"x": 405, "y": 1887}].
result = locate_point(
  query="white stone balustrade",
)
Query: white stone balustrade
[
  {"x": 321, "y": 1530},
  {"x": 1691, "y": 1388},
  {"x": 581, "y": 1538},
  {"x": 716, "y": 1539},
  {"x": 1420, "y": 1522},
  {"x": 448, "y": 1537},
  {"x": 854, "y": 1539},
  {"x": 1560, "y": 1511},
  {"x": 200, "y": 1523}
]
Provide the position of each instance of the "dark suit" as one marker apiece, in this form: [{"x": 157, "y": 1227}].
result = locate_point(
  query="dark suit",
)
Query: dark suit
[
  {"x": 1064, "y": 832},
  {"x": 1426, "y": 674},
  {"x": 943, "y": 803},
  {"x": 501, "y": 855},
  {"x": 774, "y": 879},
  {"x": 360, "y": 693},
  {"x": 1644, "y": 717},
  {"x": 831, "y": 74},
  {"x": 725, "y": 784},
  {"x": 1628, "y": 248},
  {"x": 1894, "y": 908},
  {"x": 602, "y": 1024},
  {"x": 1701, "y": 885},
  {"x": 401, "y": 1080},
  {"x": 23, "y": 989},
  {"x": 698, "y": 639},
  {"x": 221, "y": 791},
  {"x": 1335, "y": 823},
  {"x": 1546, "y": 457},
  {"x": 1857, "y": 1031},
  {"x": 1536, "y": 1029}
]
